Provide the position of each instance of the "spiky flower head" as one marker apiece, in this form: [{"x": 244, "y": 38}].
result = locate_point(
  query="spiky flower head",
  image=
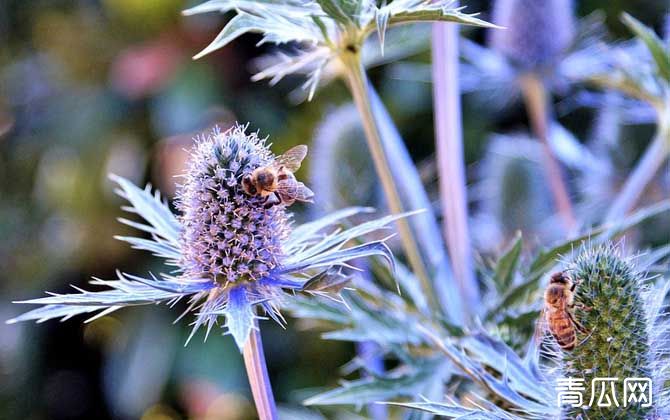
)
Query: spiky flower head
[
  {"x": 537, "y": 32},
  {"x": 232, "y": 254},
  {"x": 619, "y": 317},
  {"x": 227, "y": 234}
]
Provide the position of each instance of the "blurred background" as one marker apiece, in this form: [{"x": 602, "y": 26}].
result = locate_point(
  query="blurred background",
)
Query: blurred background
[{"x": 92, "y": 87}]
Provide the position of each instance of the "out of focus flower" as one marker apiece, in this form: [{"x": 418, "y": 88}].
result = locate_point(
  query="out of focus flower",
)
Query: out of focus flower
[
  {"x": 230, "y": 253},
  {"x": 338, "y": 170},
  {"x": 142, "y": 70},
  {"x": 542, "y": 38},
  {"x": 639, "y": 69},
  {"x": 537, "y": 33}
]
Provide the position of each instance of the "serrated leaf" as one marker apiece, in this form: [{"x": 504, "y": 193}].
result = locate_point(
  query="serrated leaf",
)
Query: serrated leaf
[
  {"x": 128, "y": 290},
  {"x": 497, "y": 355},
  {"x": 501, "y": 387},
  {"x": 149, "y": 206},
  {"x": 276, "y": 29},
  {"x": 340, "y": 257},
  {"x": 329, "y": 281},
  {"x": 319, "y": 309},
  {"x": 655, "y": 45},
  {"x": 409, "y": 11},
  {"x": 306, "y": 231},
  {"x": 507, "y": 265},
  {"x": 342, "y": 11},
  {"x": 407, "y": 383},
  {"x": 284, "y": 7},
  {"x": 636, "y": 218},
  {"x": 452, "y": 410},
  {"x": 369, "y": 322}
]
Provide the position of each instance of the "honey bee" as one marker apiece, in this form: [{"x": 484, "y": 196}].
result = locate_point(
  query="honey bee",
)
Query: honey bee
[
  {"x": 276, "y": 182},
  {"x": 558, "y": 310}
]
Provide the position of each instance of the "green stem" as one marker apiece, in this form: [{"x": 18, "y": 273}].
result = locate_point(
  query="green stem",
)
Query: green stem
[
  {"x": 257, "y": 372},
  {"x": 535, "y": 95},
  {"x": 358, "y": 83}
]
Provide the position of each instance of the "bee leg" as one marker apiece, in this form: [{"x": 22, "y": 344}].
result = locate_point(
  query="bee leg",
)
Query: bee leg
[
  {"x": 582, "y": 307},
  {"x": 577, "y": 324},
  {"x": 575, "y": 283}
]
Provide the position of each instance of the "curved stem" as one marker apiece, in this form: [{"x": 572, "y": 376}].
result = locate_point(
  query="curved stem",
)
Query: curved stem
[
  {"x": 257, "y": 372},
  {"x": 451, "y": 166},
  {"x": 644, "y": 171},
  {"x": 358, "y": 85},
  {"x": 535, "y": 96}
]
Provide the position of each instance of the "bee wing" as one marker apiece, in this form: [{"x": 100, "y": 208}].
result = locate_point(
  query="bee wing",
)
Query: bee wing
[
  {"x": 294, "y": 190},
  {"x": 540, "y": 327},
  {"x": 293, "y": 157},
  {"x": 303, "y": 193}
]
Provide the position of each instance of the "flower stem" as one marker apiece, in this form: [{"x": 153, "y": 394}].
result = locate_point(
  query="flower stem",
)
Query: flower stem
[
  {"x": 254, "y": 361},
  {"x": 535, "y": 96},
  {"x": 644, "y": 171},
  {"x": 358, "y": 85},
  {"x": 449, "y": 150}
]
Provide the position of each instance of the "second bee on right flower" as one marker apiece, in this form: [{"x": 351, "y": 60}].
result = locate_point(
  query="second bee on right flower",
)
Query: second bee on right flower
[{"x": 558, "y": 310}]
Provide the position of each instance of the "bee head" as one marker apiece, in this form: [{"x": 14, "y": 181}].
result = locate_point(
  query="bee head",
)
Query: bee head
[
  {"x": 560, "y": 277},
  {"x": 265, "y": 179},
  {"x": 248, "y": 185}
]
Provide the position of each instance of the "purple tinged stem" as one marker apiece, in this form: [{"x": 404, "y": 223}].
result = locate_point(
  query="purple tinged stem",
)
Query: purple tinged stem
[
  {"x": 257, "y": 372},
  {"x": 450, "y": 159},
  {"x": 535, "y": 97}
]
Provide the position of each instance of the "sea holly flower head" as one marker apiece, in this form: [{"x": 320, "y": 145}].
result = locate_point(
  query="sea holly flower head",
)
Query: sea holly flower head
[
  {"x": 324, "y": 30},
  {"x": 227, "y": 234},
  {"x": 231, "y": 253}
]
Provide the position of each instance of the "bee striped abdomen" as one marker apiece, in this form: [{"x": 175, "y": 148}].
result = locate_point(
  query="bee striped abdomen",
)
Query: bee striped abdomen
[{"x": 563, "y": 330}]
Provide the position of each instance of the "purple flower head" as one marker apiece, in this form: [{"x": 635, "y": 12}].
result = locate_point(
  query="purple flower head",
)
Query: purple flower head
[
  {"x": 232, "y": 258},
  {"x": 537, "y": 32},
  {"x": 218, "y": 163}
]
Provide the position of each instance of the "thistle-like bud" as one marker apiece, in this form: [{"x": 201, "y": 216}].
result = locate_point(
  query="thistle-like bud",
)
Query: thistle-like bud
[
  {"x": 227, "y": 234},
  {"x": 512, "y": 194},
  {"x": 537, "y": 32},
  {"x": 342, "y": 175},
  {"x": 614, "y": 341}
]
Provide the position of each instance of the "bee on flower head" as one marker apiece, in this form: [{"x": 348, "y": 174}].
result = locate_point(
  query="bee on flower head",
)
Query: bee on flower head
[
  {"x": 232, "y": 256},
  {"x": 276, "y": 182},
  {"x": 558, "y": 310}
]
